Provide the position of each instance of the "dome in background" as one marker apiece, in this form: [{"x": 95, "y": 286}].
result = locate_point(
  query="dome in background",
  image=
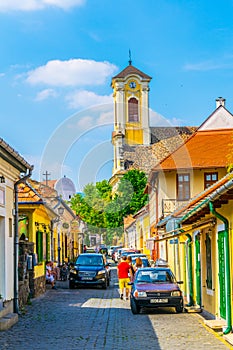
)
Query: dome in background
[{"x": 65, "y": 188}]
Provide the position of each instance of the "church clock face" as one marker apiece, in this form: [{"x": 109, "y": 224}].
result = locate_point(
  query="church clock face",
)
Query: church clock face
[{"x": 132, "y": 84}]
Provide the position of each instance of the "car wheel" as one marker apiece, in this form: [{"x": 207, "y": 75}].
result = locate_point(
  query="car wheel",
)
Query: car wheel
[
  {"x": 179, "y": 309},
  {"x": 71, "y": 285},
  {"x": 134, "y": 307}
]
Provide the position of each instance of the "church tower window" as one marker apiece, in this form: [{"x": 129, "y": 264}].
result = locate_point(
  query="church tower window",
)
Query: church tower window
[{"x": 133, "y": 109}]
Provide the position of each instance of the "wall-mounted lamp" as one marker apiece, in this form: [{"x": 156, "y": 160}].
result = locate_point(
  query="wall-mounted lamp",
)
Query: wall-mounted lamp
[{"x": 2, "y": 179}]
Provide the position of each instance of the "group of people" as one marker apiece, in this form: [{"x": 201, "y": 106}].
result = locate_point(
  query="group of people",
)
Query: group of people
[
  {"x": 54, "y": 273},
  {"x": 125, "y": 272},
  {"x": 51, "y": 274}
]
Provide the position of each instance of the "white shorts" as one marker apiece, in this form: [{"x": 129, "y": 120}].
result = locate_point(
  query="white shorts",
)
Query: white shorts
[{"x": 50, "y": 278}]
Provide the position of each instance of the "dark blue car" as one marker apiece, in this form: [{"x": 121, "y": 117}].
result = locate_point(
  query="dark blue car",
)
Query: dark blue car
[{"x": 90, "y": 269}]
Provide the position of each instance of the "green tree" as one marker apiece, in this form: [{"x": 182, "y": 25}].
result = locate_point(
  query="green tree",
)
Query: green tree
[
  {"x": 103, "y": 213},
  {"x": 91, "y": 206},
  {"x": 129, "y": 198}
]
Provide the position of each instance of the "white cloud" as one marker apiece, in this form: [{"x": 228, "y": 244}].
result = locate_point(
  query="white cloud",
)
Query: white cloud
[
  {"x": 85, "y": 123},
  {"x": 44, "y": 94},
  {"x": 86, "y": 99},
  {"x": 74, "y": 72},
  {"x": 106, "y": 118},
  {"x": 33, "y": 5}
]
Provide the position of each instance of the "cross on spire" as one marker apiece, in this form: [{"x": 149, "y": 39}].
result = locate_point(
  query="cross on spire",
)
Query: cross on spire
[{"x": 46, "y": 177}]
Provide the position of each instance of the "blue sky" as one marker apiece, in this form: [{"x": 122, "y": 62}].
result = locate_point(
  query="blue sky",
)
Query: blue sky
[{"x": 58, "y": 57}]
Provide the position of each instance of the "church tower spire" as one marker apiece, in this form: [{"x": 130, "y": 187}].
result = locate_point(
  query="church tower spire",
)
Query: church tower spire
[
  {"x": 130, "y": 60},
  {"x": 131, "y": 112}
]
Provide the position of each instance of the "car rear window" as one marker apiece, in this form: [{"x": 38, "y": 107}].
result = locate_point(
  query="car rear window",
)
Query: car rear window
[{"x": 155, "y": 276}]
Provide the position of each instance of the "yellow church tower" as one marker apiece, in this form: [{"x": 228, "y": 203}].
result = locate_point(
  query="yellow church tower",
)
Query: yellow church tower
[{"x": 131, "y": 114}]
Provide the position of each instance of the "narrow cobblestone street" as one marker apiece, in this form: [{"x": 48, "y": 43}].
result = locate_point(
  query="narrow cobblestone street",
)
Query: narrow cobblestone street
[{"x": 97, "y": 319}]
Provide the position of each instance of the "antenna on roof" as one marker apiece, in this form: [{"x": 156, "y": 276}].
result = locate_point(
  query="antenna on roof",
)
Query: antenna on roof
[{"x": 130, "y": 60}]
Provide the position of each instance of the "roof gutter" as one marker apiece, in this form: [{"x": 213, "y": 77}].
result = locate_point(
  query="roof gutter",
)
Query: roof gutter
[
  {"x": 227, "y": 267},
  {"x": 16, "y": 239}
]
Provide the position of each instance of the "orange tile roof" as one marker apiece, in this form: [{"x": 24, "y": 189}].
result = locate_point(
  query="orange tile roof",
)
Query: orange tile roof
[
  {"x": 128, "y": 220},
  {"x": 204, "y": 149},
  {"x": 49, "y": 183},
  {"x": 28, "y": 194}
]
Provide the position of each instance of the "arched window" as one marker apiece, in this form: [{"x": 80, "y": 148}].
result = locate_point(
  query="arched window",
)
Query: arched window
[{"x": 133, "y": 109}]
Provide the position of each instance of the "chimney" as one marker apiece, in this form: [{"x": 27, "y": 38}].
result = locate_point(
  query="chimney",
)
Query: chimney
[{"x": 220, "y": 101}]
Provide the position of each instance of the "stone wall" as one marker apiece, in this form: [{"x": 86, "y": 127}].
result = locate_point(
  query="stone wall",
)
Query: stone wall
[
  {"x": 24, "y": 293},
  {"x": 29, "y": 286},
  {"x": 39, "y": 286}
]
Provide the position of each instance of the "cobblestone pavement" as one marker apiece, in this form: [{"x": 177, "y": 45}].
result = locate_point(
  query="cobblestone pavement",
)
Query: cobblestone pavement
[{"x": 97, "y": 319}]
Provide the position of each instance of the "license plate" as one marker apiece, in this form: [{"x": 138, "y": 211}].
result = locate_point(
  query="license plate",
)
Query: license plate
[
  {"x": 155, "y": 301},
  {"x": 87, "y": 278}
]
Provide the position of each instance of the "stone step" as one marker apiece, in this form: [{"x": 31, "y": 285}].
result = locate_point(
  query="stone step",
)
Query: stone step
[
  {"x": 192, "y": 309},
  {"x": 216, "y": 325},
  {"x": 8, "y": 321}
]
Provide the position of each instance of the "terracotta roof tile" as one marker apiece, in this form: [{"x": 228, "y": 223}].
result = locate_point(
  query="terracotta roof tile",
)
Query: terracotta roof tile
[
  {"x": 50, "y": 183},
  {"x": 27, "y": 194},
  {"x": 205, "y": 149},
  {"x": 128, "y": 221}
]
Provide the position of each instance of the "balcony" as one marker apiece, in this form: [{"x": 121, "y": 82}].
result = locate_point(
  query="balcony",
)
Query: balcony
[{"x": 169, "y": 205}]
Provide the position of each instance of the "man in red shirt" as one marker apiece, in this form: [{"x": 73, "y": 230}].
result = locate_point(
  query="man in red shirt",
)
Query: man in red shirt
[{"x": 123, "y": 275}]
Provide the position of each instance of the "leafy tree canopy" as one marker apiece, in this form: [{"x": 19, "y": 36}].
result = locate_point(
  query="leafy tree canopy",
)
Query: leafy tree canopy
[{"x": 104, "y": 212}]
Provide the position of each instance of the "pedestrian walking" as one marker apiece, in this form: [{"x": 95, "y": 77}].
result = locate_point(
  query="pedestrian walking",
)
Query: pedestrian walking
[
  {"x": 138, "y": 264},
  {"x": 123, "y": 270},
  {"x": 131, "y": 271}
]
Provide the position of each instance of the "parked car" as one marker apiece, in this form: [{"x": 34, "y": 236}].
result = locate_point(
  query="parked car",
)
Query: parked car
[
  {"x": 103, "y": 250},
  {"x": 111, "y": 249},
  {"x": 115, "y": 253},
  {"x": 145, "y": 260},
  {"x": 90, "y": 250},
  {"x": 130, "y": 252},
  {"x": 155, "y": 287},
  {"x": 90, "y": 269}
]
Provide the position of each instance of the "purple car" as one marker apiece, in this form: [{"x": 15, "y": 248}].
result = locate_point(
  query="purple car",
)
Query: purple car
[{"x": 155, "y": 287}]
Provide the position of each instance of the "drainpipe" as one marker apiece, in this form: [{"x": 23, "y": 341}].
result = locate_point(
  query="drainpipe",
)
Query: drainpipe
[
  {"x": 190, "y": 272},
  {"x": 16, "y": 241},
  {"x": 227, "y": 267}
]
